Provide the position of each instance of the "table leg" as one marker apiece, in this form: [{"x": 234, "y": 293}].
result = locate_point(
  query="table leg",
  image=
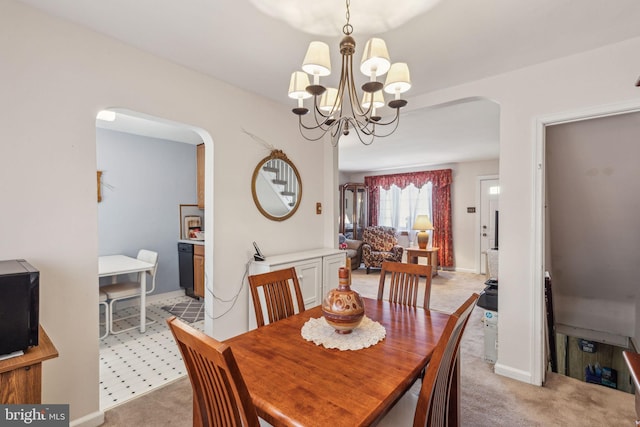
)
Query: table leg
[
  {"x": 433, "y": 260},
  {"x": 143, "y": 302}
]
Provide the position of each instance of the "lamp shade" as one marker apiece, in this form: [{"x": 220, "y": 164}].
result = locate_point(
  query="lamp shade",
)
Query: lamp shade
[
  {"x": 328, "y": 101},
  {"x": 375, "y": 58},
  {"x": 378, "y": 99},
  {"x": 422, "y": 223},
  {"x": 317, "y": 60},
  {"x": 398, "y": 79},
  {"x": 298, "y": 85}
]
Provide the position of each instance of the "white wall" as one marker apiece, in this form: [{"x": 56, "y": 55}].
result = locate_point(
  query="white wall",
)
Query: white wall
[
  {"x": 463, "y": 195},
  {"x": 145, "y": 180},
  {"x": 54, "y": 78},
  {"x": 586, "y": 81}
]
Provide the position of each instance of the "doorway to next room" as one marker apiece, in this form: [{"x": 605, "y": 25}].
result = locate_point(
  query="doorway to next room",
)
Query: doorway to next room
[
  {"x": 148, "y": 174},
  {"x": 592, "y": 241}
]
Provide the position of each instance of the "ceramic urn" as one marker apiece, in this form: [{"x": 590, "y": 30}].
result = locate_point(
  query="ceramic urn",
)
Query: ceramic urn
[{"x": 343, "y": 308}]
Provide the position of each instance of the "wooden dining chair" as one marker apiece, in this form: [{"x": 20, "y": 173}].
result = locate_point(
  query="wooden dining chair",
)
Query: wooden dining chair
[
  {"x": 431, "y": 407},
  {"x": 404, "y": 283},
  {"x": 220, "y": 395},
  {"x": 275, "y": 289}
]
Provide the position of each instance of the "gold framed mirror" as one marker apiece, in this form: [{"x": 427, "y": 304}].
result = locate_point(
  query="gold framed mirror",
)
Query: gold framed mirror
[{"x": 276, "y": 187}]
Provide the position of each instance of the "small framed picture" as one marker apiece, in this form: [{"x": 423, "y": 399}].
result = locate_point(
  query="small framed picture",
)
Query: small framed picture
[{"x": 192, "y": 224}]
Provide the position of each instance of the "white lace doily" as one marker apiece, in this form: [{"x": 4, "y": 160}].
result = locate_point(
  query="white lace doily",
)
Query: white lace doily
[{"x": 368, "y": 333}]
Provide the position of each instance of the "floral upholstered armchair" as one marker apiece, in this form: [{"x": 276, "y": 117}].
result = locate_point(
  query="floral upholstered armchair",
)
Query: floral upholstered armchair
[{"x": 380, "y": 244}]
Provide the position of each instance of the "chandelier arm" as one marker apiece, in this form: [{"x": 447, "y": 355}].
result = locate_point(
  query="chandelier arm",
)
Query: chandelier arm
[
  {"x": 353, "y": 95},
  {"x": 302, "y": 127},
  {"x": 316, "y": 112},
  {"x": 312, "y": 128},
  {"x": 396, "y": 118},
  {"x": 359, "y": 132},
  {"x": 337, "y": 129},
  {"x": 374, "y": 130},
  {"x": 340, "y": 92},
  {"x": 397, "y": 122},
  {"x": 363, "y": 125}
]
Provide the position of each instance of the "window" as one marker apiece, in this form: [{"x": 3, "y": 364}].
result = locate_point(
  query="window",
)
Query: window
[{"x": 399, "y": 207}]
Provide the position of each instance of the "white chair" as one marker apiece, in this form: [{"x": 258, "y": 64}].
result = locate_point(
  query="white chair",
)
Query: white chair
[
  {"x": 126, "y": 290},
  {"x": 103, "y": 301}
]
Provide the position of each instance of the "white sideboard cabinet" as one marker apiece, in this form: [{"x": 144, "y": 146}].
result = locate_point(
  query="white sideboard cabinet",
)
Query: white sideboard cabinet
[{"x": 317, "y": 271}]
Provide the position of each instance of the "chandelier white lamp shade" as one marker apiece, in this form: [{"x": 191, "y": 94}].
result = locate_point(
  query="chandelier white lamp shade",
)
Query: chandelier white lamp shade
[{"x": 340, "y": 110}]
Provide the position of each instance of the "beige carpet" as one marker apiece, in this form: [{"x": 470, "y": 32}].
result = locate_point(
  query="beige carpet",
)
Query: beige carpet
[{"x": 487, "y": 399}]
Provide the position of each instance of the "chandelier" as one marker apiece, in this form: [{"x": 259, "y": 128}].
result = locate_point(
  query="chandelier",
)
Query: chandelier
[{"x": 340, "y": 110}]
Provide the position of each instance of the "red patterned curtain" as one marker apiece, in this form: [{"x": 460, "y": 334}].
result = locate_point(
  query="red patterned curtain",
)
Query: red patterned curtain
[{"x": 441, "y": 203}]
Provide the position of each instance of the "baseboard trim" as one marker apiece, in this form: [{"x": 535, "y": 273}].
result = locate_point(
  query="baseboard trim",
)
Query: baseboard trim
[
  {"x": 165, "y": 295},
  {"x": 516, "y": 374},
  {"x": 464, "y": 270},
  {"x": 93, "y": 419}
]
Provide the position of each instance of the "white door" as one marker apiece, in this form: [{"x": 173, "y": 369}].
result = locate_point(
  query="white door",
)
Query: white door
[{"x": 489, "y": 219}]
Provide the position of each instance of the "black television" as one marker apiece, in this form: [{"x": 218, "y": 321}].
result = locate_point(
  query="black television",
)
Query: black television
[{"x": 19, "y": 306}]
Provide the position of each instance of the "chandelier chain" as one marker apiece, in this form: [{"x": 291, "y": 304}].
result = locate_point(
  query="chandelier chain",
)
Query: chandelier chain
[{"x": 348, "y": 28}]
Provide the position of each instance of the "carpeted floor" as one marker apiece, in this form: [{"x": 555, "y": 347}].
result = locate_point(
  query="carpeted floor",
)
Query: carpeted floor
[{"x": 487, "y": 399}]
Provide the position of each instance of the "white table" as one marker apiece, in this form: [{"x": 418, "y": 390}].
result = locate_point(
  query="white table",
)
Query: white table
[{"x": 113, "y": 265}]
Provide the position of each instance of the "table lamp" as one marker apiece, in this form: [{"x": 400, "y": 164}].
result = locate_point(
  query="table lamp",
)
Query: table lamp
[{"x": 422, "y": 224}]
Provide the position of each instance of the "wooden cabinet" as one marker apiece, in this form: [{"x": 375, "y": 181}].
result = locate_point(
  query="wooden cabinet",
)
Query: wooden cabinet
[
  {"x": 21, "y": 376},
  {"x": 317, "y": 270},
  {"x": 354, "y": 210},
  {"x": 330, "y": 266},
  {"x": 198, "y": 270},
  {"x": 200, "y": 174}
]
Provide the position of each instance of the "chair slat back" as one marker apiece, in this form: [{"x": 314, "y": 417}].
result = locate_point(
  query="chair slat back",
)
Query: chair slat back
[
  {"x": 404, "y": 283},
  {"x": 433, "y": 403},
  {"x": 152, "y": 258},
  {"x": 276, "y": 289},
  {"x": 220, "y": 395}
]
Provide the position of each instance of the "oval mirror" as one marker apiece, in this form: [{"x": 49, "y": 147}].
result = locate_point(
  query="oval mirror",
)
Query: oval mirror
[{"x": 276, "y": 186}]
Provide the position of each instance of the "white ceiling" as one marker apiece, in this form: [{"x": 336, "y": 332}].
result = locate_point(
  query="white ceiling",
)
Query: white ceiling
[{"x": 456, "y": 41}]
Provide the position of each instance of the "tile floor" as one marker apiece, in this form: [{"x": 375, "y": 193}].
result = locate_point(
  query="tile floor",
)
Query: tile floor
[{"x": 132, "y": 363}]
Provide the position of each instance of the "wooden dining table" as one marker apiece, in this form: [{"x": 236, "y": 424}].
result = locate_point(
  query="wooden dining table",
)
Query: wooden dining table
[{"x": 294, "y": 382}]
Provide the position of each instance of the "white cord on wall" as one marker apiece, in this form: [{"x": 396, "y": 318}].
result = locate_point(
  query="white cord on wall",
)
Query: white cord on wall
[{"x": 233, "y": 299}]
